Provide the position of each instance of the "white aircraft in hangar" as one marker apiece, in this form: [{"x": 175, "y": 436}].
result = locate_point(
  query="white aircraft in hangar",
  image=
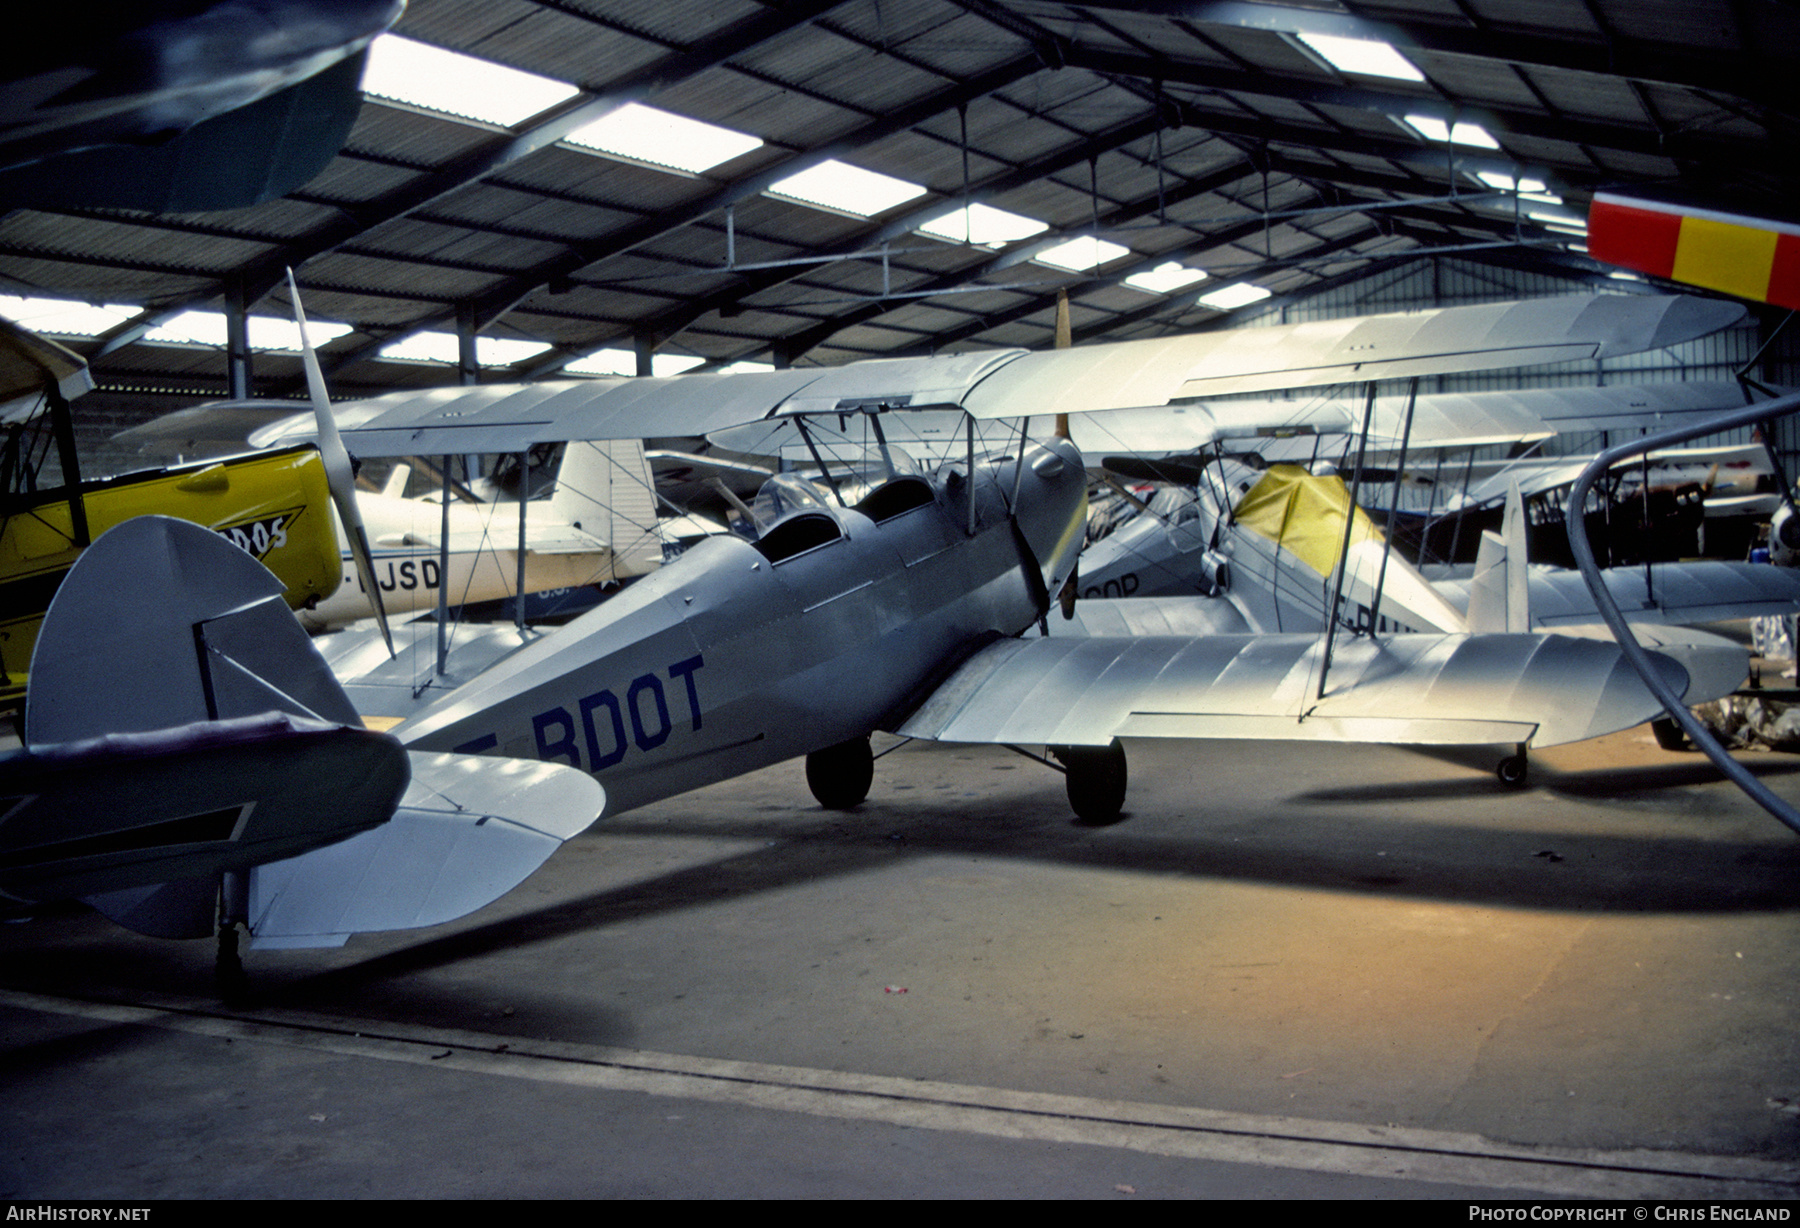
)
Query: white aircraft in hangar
[{"x": 907, "y": 611}]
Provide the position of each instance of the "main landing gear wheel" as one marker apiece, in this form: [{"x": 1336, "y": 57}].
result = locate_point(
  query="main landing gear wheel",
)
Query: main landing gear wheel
[
  {"x": 1095, "y": 777},
  {"x": 839, "y": 776},
  {"x": 1668, "y": 733},
  {"x": 1512, "y": 769}
]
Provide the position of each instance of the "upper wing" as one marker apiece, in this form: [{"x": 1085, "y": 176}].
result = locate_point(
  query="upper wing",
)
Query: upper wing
[
  {"x": 1443, "y": 689},
  {"x": 1308, "y": 355},
  {"x": 1017, "y": 384},
  {"x": 1752, "y": 257},
  {"x": 29, "y": 363},
  {"x": 1439, "y": 420}
]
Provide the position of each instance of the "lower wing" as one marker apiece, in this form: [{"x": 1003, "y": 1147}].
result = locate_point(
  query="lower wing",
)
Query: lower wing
[{"x": 1421, "y": 689}]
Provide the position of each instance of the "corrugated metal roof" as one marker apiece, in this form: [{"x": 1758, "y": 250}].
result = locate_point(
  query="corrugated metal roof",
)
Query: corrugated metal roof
[{"x": 1196, "y": 118}]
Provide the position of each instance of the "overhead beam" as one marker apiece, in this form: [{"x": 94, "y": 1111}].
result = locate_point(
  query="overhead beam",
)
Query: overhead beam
[
  {"x": 1691, "y": 146},
  {"x": 672, "y": 322},
  {"x": 1749, "y": 72},
  {"x": 503, "y": 298},
  {"x": 1017, "y": 253}
]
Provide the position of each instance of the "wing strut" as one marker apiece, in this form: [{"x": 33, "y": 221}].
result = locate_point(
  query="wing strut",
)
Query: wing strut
[
  {"x": 443, "y": 601},
  {"x": 1337, "y": 588},
  {"x": 1412, "y": 399},
  {"x": 519, "y": 583}
]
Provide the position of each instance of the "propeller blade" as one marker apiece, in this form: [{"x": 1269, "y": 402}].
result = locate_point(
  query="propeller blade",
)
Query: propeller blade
[{"x": 338, "y": 472}]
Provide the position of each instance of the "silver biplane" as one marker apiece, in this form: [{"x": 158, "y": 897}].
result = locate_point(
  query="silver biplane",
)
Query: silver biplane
[{"x": 905, "y": 610}]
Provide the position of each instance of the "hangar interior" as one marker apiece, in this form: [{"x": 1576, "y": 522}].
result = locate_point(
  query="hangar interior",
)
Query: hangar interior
[
  {"x": 1323, "y": 950},
  {"x": 919, "y": 176}
]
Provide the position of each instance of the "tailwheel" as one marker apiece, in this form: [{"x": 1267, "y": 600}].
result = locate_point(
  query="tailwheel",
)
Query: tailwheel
[
  {"x": 839, "y": 776},
  {"x": 1512, "y": 769},
  {"x": 228, "y": 966},
  {"x": 1095, "y": 777}
]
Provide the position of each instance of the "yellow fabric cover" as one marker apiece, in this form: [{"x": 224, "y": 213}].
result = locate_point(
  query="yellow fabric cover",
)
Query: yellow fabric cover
[{"x": 1304, "y": 515}]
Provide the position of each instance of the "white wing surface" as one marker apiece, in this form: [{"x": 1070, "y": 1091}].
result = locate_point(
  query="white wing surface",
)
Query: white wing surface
[
  {"x": 1334, "y": 351},
  {"x": 1017, "y": 384},
  {"x": 1439, "y": 420},
  {"x": 1673, "y": 593},
  {"x": 1420, "y": 689}
]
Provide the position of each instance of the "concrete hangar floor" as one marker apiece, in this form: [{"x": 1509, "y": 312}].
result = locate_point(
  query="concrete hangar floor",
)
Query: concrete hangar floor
[{"x": 1290, "y": 971}]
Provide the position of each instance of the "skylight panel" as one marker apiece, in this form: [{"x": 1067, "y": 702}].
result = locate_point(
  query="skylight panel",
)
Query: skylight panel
[
  {"x": 1361, "y": 56},
  {"x": 450, "y": 82},
  {"x": 604, "y": 362},
  {"x": 64, "y": 317},
  {"x": 442, "y": 348},
  {"x": 1438, "y": 132},
  {"x": 1081, "y": 254},
  {"x": 661, "y": 138},
  {"x": 984, "y": 226},
  {"x": 1238, "y": 294},
  {"x": 1527, "y": 189},
  {"x": 746, "y": 366},
  {"x": 1166, "y": 278},
  {"x": 207, "y": 328},
  {"x": 624, "y": 362},
  {"x": 846, "y": 189},
  {"x": 674, "y": 364}
]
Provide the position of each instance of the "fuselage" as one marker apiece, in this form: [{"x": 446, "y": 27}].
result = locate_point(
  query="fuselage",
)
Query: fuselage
[{"x": 836, "y": 622}]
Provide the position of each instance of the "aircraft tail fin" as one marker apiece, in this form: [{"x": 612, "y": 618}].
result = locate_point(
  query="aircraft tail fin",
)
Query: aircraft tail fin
[
  {"x": 606, "y": 489},
  {"x": 1500, "y": 593},
  {"x": 202, "y": 635}
]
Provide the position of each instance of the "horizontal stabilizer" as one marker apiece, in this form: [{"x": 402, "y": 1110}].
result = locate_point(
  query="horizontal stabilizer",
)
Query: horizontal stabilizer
[
  {"x": 125, "y": 811},
  {"x": 395, "y": 687},
  {"x": 469, "y": 830},
  {"x": 1424, "y": 689}
]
